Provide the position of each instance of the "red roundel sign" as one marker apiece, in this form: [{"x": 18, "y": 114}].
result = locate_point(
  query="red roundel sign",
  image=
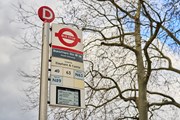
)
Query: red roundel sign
[
  {"x": 64, "y": 38},
  {"x": 46, "y": 14}
]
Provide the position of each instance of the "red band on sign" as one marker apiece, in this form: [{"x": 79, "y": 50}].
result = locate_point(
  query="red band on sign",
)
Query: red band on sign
[
  {"x": 67, "y": 49},
  {"x": 62, "y": 37}
]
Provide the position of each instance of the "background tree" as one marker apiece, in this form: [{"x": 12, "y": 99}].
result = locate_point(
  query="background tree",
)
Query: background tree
[{"x": 130, "y": 57}]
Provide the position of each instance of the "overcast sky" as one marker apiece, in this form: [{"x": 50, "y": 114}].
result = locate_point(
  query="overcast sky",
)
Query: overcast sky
[{"x": 12, "y": 59}]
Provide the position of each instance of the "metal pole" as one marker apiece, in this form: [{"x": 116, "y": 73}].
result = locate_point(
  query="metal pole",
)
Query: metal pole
[{"x": 44, "y": 73}]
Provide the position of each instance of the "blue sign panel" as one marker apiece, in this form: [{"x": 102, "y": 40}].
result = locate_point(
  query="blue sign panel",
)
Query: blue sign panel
[{"x": 67, "y": 55}]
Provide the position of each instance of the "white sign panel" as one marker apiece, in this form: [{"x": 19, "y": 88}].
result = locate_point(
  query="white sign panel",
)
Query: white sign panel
[
  {"x": 67, "y": 70},
  {"x": 67, "y": 38}
]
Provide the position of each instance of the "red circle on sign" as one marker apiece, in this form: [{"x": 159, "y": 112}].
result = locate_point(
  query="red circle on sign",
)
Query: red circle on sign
[
  {"x": 46, "y": 14},
  {"x": 61, "y": 37}
]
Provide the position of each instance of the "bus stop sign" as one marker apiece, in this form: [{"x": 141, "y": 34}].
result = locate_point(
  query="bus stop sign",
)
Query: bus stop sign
[{"x": 46, "y": 14}]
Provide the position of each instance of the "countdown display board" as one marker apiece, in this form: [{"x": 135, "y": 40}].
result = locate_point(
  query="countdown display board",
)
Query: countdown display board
[
  {"x": 67, "y": 96},
  {"x": 67, "y": 70}
]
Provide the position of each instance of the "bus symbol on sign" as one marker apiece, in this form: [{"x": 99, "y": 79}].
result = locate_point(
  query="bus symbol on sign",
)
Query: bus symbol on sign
[{"x": 64, "y": 38}]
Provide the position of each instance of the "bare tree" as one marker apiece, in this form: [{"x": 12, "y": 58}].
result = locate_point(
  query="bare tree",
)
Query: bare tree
[{"x": 131, "y": 71}]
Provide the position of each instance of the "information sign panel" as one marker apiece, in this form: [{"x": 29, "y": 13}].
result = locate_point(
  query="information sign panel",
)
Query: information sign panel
[
  {"x": 68, "y": 96},
  {"x": 67, "y": 70}
]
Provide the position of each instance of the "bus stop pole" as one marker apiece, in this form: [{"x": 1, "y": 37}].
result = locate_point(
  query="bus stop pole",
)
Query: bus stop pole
[{"x": 44, "y": 73}]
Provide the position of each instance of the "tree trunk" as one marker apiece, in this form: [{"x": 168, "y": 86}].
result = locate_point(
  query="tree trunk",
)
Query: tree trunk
[
  {"x": 142, "y": 101},
  {"x": 142, "y": 84}
]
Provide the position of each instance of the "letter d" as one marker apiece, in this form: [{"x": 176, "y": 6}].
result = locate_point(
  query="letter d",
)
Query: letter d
[{"x": 45, "y": 10}]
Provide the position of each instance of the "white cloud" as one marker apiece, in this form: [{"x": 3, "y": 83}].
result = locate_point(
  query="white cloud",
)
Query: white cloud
[{"x": 11, "y": 59}]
